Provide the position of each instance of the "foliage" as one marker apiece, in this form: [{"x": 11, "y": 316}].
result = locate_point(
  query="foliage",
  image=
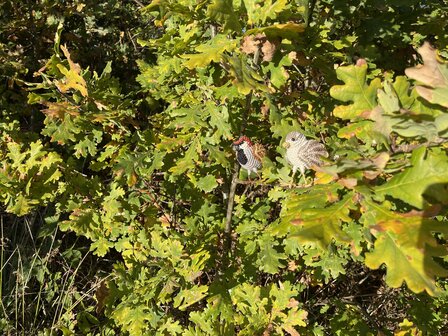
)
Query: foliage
[{"x": 141, "y": 166}]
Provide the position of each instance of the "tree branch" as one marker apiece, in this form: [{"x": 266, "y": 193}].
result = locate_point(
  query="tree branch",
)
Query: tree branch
[
  {"x": 235, "y": 180},
  {"x": 236, "y": 168},
  {"x": 407, "y": 148}
]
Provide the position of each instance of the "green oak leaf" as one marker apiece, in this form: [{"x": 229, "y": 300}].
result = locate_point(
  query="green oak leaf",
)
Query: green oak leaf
[
  {"x": 207, "y": 183},
  {"x": 85, "y": 147},
  {"x": 288, "y": 30},
  {"x": 367, "y": 131},
  {"x": 269, "y": 257},
  {"x": 441, "y": 123},
  {"x": 434, "y": 96},
  {"x": 101, "y": 246},
  {"x": 209, "y": 52},
  {"x": 411, "y": 129},
  {"x": 188, "y": 161},
  {"x": 223, "y": 12},
  {"x": 317, "y": 216},
  {"x": 406, "y": 245},
  {"x": 187, "y": 297},
  {"x": 132, "y": 319},
  {"x": 21, "y": 205},
  {"x": 63, "y": 131},
  {"x": 356, "y": 90},
  {"x": 258, "y": 12},
  {"x": 429, "y": 168},
  {"x": 245, "y": 78},
  {"x": 388, "y": 99},
  {"x": 278, "y": 73},
  {"x": 219, "y": 119}
]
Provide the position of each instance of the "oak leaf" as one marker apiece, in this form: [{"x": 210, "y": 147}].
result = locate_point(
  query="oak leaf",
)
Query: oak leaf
[
  {"x": 406, "y": 245},
  {"x": 73, "y": 79},
  {"x": 433, "y": 75}
]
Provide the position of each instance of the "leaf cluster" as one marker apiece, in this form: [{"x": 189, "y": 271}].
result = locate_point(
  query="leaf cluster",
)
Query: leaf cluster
[{"x": 146, "y": 173}]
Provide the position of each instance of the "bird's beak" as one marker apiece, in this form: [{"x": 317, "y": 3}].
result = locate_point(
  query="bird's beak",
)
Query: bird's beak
[{"x": 286, "y": 144}]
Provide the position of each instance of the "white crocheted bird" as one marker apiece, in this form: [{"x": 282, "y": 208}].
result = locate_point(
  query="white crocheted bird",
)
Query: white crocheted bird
[{"x": 302, "y": 153}]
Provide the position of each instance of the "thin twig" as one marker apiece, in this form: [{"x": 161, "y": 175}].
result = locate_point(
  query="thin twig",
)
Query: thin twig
[
  {"x": 230, "y": 203},
  {"x": 407, "y": 148},
  {"x": 139, "y": 3},
  {"x": 132, "y": 40}
]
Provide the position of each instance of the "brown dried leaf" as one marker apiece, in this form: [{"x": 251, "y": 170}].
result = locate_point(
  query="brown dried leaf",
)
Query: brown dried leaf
[
  {"x": 380, "y": 162},
  {"x": 430, "y": 72},
  {"x": 249, "y": 45},
  {"x": 293, "y": 56},
  {"x": 292, "y": 266},
  {"x": 293, "y": 303},
  {"x": 349, "y": 183},
  {"x": 268, "y": 49},
  {"x": 259, "y": 151},
  {"x": 268, "y": 330},
  {"x": 371, "y": 174}
]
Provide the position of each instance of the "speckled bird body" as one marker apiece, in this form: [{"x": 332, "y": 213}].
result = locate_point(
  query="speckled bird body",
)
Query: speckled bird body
[
  {"x": 245, "y": 155},
  {"x": 302, "y": 153}
]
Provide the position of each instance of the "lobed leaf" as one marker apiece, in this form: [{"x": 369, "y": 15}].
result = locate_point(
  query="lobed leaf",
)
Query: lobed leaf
[
  {"x": 187, "y": 297},
  {"x": 73, "y": 79},
  {"x": 209, "y": 52},
  {"x": 258, "y": 12},
  {"x": 318, "y": 216},
  {"x": 290, "y": 30},
  {"x": 223, "y": 12},
  {"x": 406, "y": 245},
  {"x": 432, "y": 74},
  {"x": 355, "y": 89},
  {"x": 429, "y": 168}
]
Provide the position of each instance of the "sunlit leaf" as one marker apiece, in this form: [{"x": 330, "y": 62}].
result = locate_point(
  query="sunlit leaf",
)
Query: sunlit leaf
[
  {"x": 207, "y": 183},
  {"x": 429, "y": 168},
  {"x": 210, "y": 52},
  {"x": 317, "y": 217},
  {"x": 406, "y": 244},
  {"x": 432, "y": 74},
  {"x": 354, "y": 90},
  {"x": 290, "y": 30},
  {"x": 187, "y": 297},
  {"x": 73, "y": 79},
  {"x": 260, "y": 12}
]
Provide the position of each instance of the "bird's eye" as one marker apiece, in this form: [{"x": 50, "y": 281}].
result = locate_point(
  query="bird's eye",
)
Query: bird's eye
[{"x": 293, "y": 139}]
